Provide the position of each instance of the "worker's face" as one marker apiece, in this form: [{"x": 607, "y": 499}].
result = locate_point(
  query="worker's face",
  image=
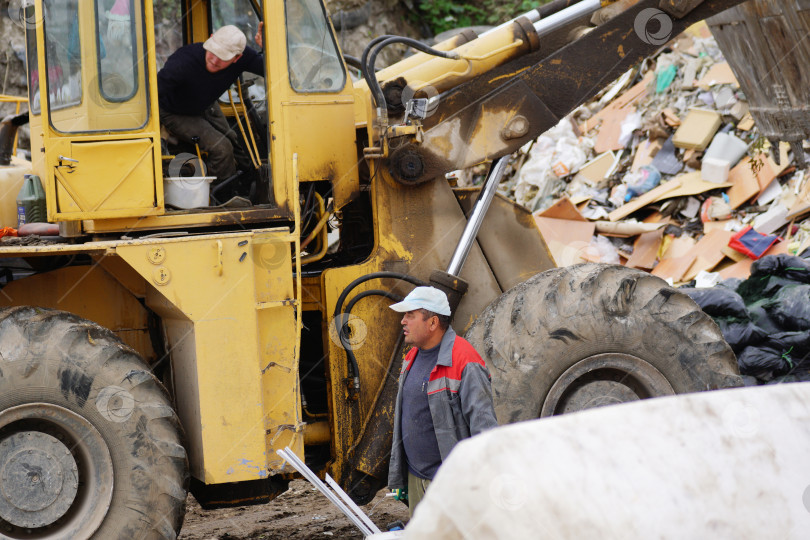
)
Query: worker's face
[
  {"x": 418, "y": 330},
  {"x": 214, "y": 63}
]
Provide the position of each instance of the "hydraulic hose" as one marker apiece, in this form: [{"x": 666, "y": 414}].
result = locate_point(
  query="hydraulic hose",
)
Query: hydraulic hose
[
  {"x": 354, "y": 369},
  {"x": 368, "y": 62}
]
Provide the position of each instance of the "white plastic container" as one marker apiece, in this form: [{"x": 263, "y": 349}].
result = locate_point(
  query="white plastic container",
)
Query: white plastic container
[
  {"x": 187, "y": 192},
  {"x": 728, "y": 147},
  {"x": 714, "y": 170}
]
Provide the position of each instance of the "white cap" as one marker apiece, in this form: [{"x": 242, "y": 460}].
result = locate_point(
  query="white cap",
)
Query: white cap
[
  {"x": 429, "y": 298},
  {"x": 226, "y": 43}
]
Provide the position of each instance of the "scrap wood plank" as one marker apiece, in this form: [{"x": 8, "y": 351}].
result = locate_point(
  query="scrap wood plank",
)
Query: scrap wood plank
[
  {"x": 691, "y": 184},
  {"x": 802, "y": 204},
  {"x": 611, "y": 130},
  {"x": 744, "y": 183},
  {"x": 633, "y": 94},
  {"x": 645, "y": 250},
  {"x": 708, "y": 252},
  {"x": 645, "y": 199}
]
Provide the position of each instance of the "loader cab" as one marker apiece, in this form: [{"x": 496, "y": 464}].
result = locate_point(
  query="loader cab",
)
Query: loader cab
[{"x": 95, "y": 129}]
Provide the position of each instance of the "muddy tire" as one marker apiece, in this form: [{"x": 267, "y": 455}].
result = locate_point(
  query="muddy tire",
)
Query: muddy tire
[
  {"x": 590, "y": 335},
  {"x": 89, "y": 443}
]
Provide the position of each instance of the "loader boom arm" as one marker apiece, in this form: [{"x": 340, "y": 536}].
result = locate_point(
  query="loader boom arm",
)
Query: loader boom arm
[{"x": 502, "y": 109}]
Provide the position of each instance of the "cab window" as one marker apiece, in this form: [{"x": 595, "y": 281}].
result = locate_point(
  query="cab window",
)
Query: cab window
[{"x": 312, "y": 55}]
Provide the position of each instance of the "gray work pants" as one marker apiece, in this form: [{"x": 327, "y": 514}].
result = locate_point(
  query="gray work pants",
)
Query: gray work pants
[{"x": 215, "y": 136}]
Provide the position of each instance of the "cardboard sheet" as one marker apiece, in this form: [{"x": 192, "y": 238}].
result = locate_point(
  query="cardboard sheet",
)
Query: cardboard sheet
[
  {"x": 567, "y": 240},
  {"x": 645, "y": 199},
  {"x": 563, "y": 209},
  {"x": 719, "y": 73}
]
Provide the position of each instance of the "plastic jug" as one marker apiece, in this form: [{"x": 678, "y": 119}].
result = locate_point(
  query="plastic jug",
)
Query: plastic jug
[
  {"x": 11, "y": 180},
  {"x": 31, "y": 201}
]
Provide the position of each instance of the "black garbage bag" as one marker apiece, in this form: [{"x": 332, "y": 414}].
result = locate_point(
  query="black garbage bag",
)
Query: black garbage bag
[
  {"x": 787, "y": 266},
  {"x": 770, "y": 274},
  {"x": 731, "y": 283},
  {"x": 740, "y": 333},
  {"x": 790, "y": 308},
  {"x": 760, "y": 316},
  {"x": 762, "y": 362},
  {"x": 718, "y": 302},
  {"x": 781, "y": 353}
]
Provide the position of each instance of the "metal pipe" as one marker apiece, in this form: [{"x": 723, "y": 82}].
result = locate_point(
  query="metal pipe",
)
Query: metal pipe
[
  {"x": 476, "y": 217},
  {"x": 288, "y": 455},
  {"x": 566, "y": 16},
  {"x": 351, "y": 504}
]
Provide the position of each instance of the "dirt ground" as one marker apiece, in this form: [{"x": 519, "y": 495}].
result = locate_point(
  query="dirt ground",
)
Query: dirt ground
[{"x": 300, "y": 513}]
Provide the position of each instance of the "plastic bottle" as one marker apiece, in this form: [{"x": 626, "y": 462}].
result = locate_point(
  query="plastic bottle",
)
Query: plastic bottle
[
  {"x": 31, "y": 201},
  {"x": 641, "y": 181}
]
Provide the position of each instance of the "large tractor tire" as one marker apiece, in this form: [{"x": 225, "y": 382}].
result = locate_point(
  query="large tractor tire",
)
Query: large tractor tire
[
  {"x": 590, "y": 335},
  {"x": 90, "y": 446}
]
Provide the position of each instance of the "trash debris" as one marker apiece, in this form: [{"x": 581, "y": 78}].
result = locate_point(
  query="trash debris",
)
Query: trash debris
[{"x": 671, "y": 144}]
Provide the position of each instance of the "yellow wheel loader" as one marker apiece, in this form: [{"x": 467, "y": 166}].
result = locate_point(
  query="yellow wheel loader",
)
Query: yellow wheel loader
[{"x": 147, "y": 349}]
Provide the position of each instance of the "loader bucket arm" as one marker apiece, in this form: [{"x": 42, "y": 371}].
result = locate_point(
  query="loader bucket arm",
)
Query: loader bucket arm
[{"x": 496, "y": 113}]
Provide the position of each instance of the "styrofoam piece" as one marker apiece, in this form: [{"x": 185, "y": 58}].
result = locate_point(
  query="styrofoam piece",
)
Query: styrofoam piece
[
  {"x": 715, "y": 170},
  {"x": 770, "y": 193},
  {"x": 771, "y": 220},
  {"x": 726, "y": 146},
  {"x": 187, "y": 192},
  {"x": 724, "y": 464}
]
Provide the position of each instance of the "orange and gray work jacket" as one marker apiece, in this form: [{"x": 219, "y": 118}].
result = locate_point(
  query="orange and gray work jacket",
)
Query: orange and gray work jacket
[{"x": 459, "y": 396}]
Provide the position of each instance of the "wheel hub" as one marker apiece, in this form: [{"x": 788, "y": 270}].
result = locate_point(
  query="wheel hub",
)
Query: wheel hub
[
  {"x": 604, "y": 379},
  {"x": 38, "y": 479}
]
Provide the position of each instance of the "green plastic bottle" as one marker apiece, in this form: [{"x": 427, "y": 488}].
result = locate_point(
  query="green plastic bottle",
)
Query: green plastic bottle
[{"x": 31, "y": 201}]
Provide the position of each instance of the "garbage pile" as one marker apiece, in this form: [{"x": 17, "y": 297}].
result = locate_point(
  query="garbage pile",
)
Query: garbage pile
[
  {"x": 665, "y": 171},
  {"x": 765, "y": 318}
]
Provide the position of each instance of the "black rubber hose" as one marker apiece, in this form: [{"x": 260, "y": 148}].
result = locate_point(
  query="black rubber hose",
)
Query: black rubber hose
[
  {"x": 353, "y": 61},
  {"x": 344, "y": 340},
  {"x": 354, "y": 369},
  {"x": 371, "y": 79},
  {"x": 364, "y": 57}
]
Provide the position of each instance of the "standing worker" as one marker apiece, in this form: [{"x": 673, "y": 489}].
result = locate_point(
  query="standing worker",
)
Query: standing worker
[
  {"x": 445, "y": 394},
  {"x": 189, "y": 84}
]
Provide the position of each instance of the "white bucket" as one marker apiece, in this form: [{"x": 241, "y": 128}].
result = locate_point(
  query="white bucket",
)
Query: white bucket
[{"x": 187, "y": 192}]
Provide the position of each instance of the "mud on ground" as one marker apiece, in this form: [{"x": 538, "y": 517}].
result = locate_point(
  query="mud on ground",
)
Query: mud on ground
[{"x": 300, "y": 513}]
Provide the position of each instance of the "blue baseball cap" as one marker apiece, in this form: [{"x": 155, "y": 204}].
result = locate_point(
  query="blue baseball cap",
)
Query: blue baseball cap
[{"x": 429, "y": 298}]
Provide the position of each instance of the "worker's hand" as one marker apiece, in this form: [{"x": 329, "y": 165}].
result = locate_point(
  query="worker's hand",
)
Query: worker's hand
[
  {"x": 258, "y": 37},
  {"x": 400, "y": 494}
]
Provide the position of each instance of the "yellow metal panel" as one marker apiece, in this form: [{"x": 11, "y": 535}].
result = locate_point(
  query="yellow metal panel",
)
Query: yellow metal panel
[
  {"x": 89, "y": 292},
  {"x": 324, "y": 139},
  {"x": 216, "y": 355},
  {"x": 228, "y": 307}
]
